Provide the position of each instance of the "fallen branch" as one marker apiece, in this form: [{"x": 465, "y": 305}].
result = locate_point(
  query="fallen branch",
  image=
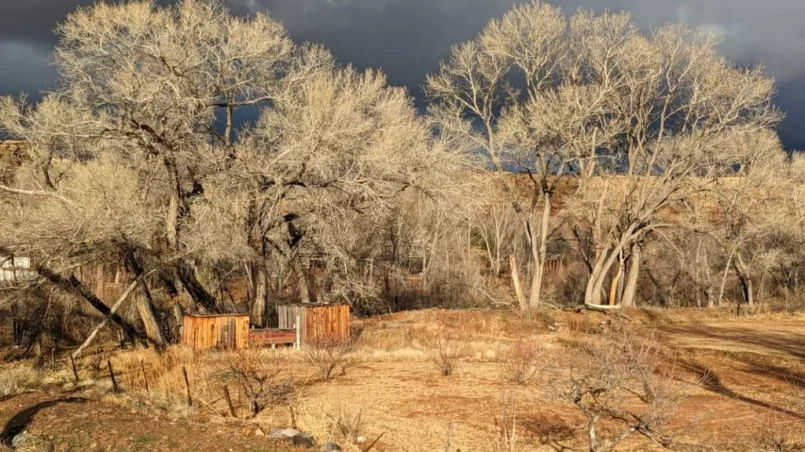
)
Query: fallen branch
[
  {"x": 111, "y": 314},
  {"x": 50, "y": 194},
  {"x": 372, "y": 444}
]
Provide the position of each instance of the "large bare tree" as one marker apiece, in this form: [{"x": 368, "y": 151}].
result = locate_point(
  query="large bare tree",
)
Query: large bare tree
[
  {"x": 472, "y": 96},
  {"x": 138, "y": 158},
  {"x": 642, "y": 121}
]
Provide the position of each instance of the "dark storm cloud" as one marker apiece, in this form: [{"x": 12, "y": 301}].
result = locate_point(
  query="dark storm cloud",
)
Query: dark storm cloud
[
  {"x": 407, "y": 38},
  {"x": 33, "y": 20}
]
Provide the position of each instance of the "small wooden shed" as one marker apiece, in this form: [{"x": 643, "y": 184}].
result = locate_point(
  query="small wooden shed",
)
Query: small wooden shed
[
  {"x": 319, "y": 322},
  {"x": 224, "y": 331}
]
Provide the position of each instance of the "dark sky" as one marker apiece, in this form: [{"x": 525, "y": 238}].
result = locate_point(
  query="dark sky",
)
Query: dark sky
[{"x": 407, "y": 38}]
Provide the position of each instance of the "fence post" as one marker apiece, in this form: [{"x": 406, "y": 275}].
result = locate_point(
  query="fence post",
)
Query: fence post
[
  {"x": 145, "y": 377},
  {"x": 75, "y": 371},
  {"x": 115, "y": 388},
  {"x": 187, "y": 387},
  {"x": 298, "y": 334},
  {"x": 229, "y": 402}
]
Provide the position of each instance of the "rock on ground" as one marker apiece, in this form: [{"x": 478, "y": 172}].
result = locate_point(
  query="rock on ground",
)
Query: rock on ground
[
  {"x": 293, "y": 437},
  {"x": 330, "y": 446}
]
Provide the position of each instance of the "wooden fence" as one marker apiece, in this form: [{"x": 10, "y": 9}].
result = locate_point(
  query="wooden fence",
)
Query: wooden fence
[
  {"x": 319, "y": 322},
  {"x": 228, "y": 332}
]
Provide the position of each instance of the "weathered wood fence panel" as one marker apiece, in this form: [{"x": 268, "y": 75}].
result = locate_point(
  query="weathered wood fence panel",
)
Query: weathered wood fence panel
[
  {"x": 319, "y": 322},
  {"x": 271, "y": 336},
  {"x": 228, "y": 332}
]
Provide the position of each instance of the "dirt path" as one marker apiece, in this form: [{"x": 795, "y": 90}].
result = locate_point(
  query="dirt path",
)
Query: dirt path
[
  {"x": 785, "y": 339},
  {"x": 61, "y": 422}
]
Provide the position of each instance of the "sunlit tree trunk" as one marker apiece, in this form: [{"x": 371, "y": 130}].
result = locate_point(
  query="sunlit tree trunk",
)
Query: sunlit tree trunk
[{"x": 630, "y": 287}]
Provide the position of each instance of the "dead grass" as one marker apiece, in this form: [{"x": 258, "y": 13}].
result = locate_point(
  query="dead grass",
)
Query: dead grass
[
  {"x": 18, "y": 378},
  {"x": 393, "y": 389}
]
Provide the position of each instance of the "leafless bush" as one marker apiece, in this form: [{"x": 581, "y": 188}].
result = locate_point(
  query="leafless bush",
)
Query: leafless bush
[
  {"x": 520, "y": 361},
  {"x": 260, "y": 383},
  {"x": 505, "y": 417},
  {"x": 622, "y": 382},
  {"x": 346, "y": 425},
  {"x": 777, "y": 430},
  {"x": 97, "y": 360},
  {"x": 328, "y": 354},
  {"x": 18, "y": 378},
  {"x": 446, "y": 353},
  {"x": 777, "y": 435}
]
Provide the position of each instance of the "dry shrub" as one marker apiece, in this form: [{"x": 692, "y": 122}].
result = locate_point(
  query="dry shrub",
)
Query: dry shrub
[
  {"x": 327, "y": 354},
  {"x": 777, "y": 435},
  {"x": 520, "y": 363},
  {"x": 620, "y": 381},
  {"x": 505, "y": 422},
  {"x": 259, "y": 380},
  {"x": 18, "y": 378},
  {"x": 446, "y": 353},
  {"x": 345, "y": 425},
  {"x": 97, "y": 360},
  {"x": 773, "y": 431},
  {"x": 575, "y": 325}
]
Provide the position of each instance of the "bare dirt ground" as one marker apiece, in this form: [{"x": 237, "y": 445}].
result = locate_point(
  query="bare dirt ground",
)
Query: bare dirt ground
[
  {"x": 61, "y": 422},
  {"x": 741, "y": 377}
]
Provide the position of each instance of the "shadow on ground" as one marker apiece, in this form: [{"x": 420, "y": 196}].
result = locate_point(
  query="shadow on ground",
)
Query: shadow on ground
[
  {"x": 20, "y": 421},
  {"x": 712, "y": 382}
]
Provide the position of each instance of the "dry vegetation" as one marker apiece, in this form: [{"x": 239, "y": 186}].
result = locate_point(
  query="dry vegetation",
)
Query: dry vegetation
[
  {"x": 630, "y": 388},
  {"x": 564, "y": 161}
]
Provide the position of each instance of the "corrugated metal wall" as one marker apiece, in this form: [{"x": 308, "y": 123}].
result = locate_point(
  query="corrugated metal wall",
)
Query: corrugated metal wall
[
  {"x": 228, "y": 332},
  {"x": 319, "y": 322}
]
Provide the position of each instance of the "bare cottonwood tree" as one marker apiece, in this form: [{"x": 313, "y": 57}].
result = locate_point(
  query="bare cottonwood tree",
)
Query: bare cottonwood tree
[
  {"x": 138, "y": 94},
  {"x": 679, "y": 110},
  {"x": 657, "y": 112},
  {"x": 746, "y": 211},
  {"x": 337, "y": 150},
  {"x": 136, "y": 160},
  {"x": 472, "y": 93}
]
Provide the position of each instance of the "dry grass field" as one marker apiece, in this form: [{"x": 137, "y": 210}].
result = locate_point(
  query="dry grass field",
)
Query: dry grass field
[{"x": 736, "y": 384}]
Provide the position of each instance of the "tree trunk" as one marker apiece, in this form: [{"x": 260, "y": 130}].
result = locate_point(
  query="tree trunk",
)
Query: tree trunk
[
  {"x": 260, "y": 303},
  {"x": 145, "y": 303},
  {"x": 724, "y": 278},
  {"x": 746, "y": 283},
  {"x": 621, "y": 279},
  {"x": 187, "y": 275},
  {"x": 178, "y": 315},
  {"x": 710, "y": 298},
  {"x": 591, "y": 295},
  {"x": 171, "y": 220},
  {"x": 518, "y": 289},
  {"x": 603, "y": 264},
  {"x": 539, "y": 251},
  {"x": 73, "y": 284},
  {"x": 761, "y": 284},
  {"x": 536, "y": 285},
  {"x": 145, "y": 306},
  {"x": 745, "y": 278},
  {"x": 630, "y": 288},
  {"x": 597, "y": 251},
  {"x": 304, "y": 293},
  {"x": 108, "y": 317},
  {"x": 497, "y": 258}
]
